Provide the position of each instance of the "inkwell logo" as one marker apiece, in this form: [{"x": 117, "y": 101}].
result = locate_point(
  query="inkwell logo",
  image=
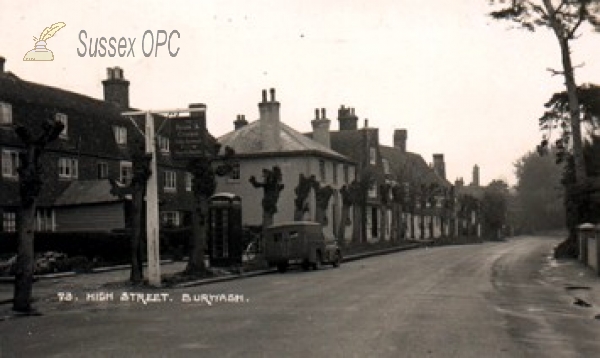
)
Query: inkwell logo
[{"x": 40, "y": 52}]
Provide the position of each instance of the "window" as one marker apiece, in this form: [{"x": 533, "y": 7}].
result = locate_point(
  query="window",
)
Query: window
[
  {"x": 10, "y": 163},
  {"x": 163, "y": 144},
  {"x": 386, "y": 166},
  {"x": 120, "y": 135},
  {"x": 126, "y": 172},
  {"x": 373, "y": 191},
  {"x": 9, "y": 221},
  {"x": 188, "y": 181},
  {"x": 322, "y": 170},
  {"x": 44, "y": 220},
  {"x": 68, "y": 168},
  {"x": 170, "y": 180},
  {"x": 373, "y": 155},
  {"x": 235, "y": 172},
  {"x": 62, "y": 118},
  {"x": 102, "y": 170},
  {"x": 5, "y": 113},
  {"x": 346, "y": 174},
  {"x": 335, "y": 173},
  {"x": 171, "y": 218}
]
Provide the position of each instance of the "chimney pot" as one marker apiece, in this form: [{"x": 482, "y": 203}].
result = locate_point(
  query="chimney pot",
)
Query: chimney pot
[
  {"x": 323, "y": 113},
  {"x": 2, "y": 61},
  {"x": 272, "y": 90},
  {"x": 316, "y": 113},
  {"x": 366, "y": 123},
  {"x": 264, "y": 95}
]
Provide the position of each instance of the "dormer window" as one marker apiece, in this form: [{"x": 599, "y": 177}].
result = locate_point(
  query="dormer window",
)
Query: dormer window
[
  {"x": 62, "y": 118},
  {"x": 120, "y": 135},
  {"x": 5, "y": 113}
]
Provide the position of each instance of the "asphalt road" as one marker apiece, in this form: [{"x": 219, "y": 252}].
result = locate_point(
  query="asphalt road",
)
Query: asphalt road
[{"x": 488, "y": 300}]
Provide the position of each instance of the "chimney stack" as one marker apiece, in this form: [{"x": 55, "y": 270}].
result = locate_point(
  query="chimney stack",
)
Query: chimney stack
[
  {"x": 347, "y": 119},
  {"x": 475, "y": 175},
  {"x": 116, "y": 88},
  {"x": 400, "y": 136},
  {"x": 321, "y": 128},
  {"x": 269, "y": 122},
  {"x": 439, "y": 166},
  {"x": 240, "y": 121}
]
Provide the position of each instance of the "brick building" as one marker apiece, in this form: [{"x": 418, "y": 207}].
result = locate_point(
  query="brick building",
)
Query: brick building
[{"x": 96, "y": 144}]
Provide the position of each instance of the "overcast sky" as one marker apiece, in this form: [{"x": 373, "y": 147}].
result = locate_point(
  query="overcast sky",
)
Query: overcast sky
[{"x": 460, "y": 83}]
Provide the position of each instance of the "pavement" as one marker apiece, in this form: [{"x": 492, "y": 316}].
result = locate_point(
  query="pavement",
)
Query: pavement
[{"x": 48, "y": 287}]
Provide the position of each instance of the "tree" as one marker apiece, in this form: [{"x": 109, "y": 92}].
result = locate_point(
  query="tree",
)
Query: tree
[
  {"x": 137, "y": 189},
  {"x": 539, "y": 192},
  {"x": 30, "y": 185},
  {"x": 203, "y": 186},
  {"x": 271, "y": 186},
  {"x": 577, "y": 193},
  {"x": 305, "y": 184},
  {"x": 494, "y": 208},
  {"x": 564, "y": 18}
]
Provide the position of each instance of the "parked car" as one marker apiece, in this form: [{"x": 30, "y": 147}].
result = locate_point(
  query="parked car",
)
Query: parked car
[{"x": 300, "y": 242}]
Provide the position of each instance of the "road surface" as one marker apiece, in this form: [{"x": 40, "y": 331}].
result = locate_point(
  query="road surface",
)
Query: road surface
[{"x": 505, "y": 299}]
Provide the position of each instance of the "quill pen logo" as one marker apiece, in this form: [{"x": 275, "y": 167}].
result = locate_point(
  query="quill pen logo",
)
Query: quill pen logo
[{"x": 40, "y": 52}]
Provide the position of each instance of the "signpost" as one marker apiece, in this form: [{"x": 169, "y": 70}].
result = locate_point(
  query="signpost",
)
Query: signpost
[{"x": 188, "y": 144}]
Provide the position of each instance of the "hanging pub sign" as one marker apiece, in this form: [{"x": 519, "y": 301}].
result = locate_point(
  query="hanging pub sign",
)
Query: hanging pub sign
[{"x": 188, "y": 138}]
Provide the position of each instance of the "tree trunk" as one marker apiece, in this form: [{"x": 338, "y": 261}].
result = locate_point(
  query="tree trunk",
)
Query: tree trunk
[
  {"x": 137, "y": 208},
  {"x": 25, "y": 261},
  {"x": 422, "y": 224},
  {"x": 383, "y": 223},
  {"x": 357, "y": 222},
  {"x": 394, "y": 231},
  {"x": 342, "y": 225}
]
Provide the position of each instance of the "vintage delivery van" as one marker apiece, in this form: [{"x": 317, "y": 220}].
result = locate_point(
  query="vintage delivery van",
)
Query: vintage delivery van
[{"x": 299, "y": 242}]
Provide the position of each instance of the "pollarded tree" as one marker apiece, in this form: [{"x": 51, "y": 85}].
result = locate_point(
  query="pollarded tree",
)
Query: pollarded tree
[
  {"x": 494, "y": 207},
  {"x": 204, "y": 170},
  {"x": 30, "y": 186}
]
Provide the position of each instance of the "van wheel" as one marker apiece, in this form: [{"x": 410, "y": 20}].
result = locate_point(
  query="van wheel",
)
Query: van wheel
[
  {"x": 282, "y": 268},
  {"x": 306, "y": 265},
  {"x": 337, "y": 260},
  {"x": 318, "y": 264}
]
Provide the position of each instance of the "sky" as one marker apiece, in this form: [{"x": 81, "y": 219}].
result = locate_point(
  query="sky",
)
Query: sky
[{"x": 461, "y": 83}]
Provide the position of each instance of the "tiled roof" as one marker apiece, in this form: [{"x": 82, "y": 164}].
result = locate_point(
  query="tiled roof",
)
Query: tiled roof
[
  {"x": 475, "y": 191},
  {"x": 411, "y": 165},
  {"x": 89, "y": 120},
  {"x": 82, "y": 192},
  {"x": 247, "y": 140}
]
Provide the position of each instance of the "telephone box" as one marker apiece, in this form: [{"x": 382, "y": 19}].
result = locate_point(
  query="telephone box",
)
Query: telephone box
[{"x": 225, "y": 230}]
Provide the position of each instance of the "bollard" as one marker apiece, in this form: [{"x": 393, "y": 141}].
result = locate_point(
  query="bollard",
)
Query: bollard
[{"x": 584, "y": 231}]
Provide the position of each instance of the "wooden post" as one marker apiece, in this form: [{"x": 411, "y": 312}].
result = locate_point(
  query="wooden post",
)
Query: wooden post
[{"x": 152, "y": 223}]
